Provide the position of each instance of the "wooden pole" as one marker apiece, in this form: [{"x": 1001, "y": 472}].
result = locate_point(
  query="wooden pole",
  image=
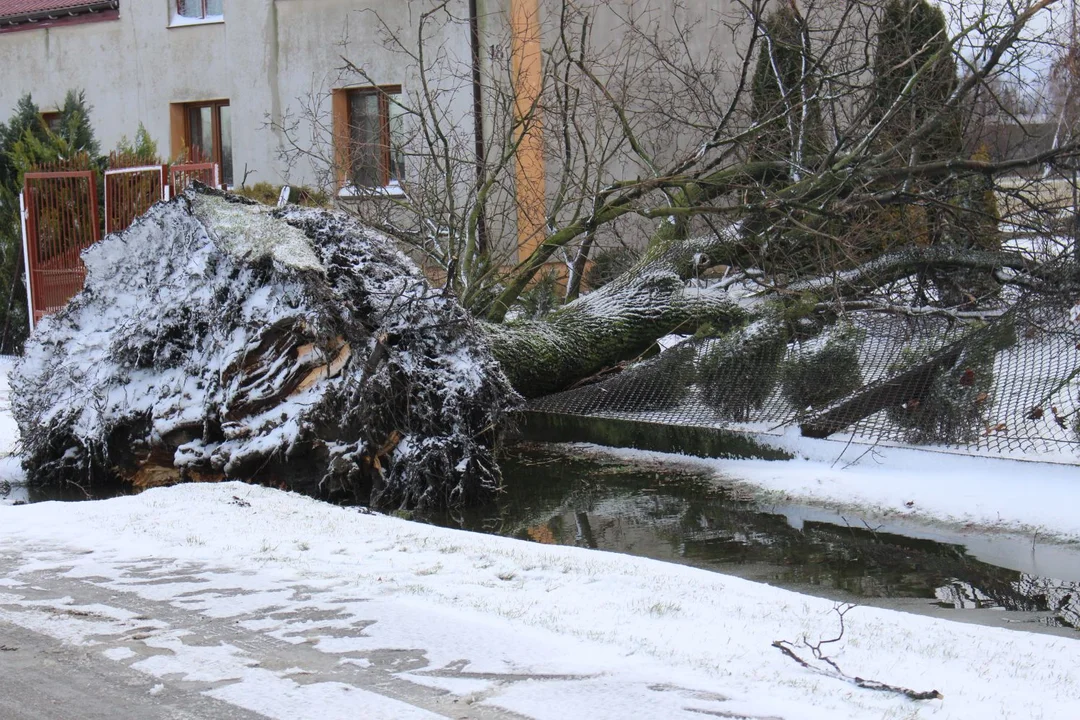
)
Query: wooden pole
[{"x": 527, "y": 75}]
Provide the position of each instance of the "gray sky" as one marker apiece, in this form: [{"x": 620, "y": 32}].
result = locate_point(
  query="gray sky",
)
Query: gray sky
[{"x": 1036, "y": 65}]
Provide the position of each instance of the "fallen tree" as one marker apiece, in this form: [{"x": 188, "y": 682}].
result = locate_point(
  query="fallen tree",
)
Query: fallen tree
[
  {"x": 217, "y": 338},
  {"x": 822, "y": 173}
]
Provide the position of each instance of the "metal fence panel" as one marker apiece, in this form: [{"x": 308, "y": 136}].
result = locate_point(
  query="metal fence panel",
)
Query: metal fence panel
[
  {"x": 129, "y": 192},
  {"x": 61, "y": 221}
]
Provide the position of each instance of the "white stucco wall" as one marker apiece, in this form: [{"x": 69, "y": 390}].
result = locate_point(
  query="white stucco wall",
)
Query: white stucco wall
[
  {"x": 264, "y": 58},
  {"x": 272, "y": 58}
]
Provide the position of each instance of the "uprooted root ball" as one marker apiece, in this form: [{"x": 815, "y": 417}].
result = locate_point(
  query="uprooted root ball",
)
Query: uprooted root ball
[{"x": 218, "y": 339}]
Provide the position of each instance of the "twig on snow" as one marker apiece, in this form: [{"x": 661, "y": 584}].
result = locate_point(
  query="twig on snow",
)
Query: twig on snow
[{"x": 833, "y": 670}]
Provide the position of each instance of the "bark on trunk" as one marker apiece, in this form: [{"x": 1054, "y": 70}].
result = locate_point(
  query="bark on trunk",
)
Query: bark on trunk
[{"x": 619, "y": 321}]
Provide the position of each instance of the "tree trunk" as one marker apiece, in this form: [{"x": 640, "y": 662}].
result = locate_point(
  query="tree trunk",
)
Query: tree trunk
[
  {"x": 217, "y": 339},
  {"x": 619, "y": 321}
]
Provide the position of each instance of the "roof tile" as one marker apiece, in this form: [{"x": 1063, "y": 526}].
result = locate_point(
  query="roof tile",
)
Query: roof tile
[{"x": 26, "y": 7}]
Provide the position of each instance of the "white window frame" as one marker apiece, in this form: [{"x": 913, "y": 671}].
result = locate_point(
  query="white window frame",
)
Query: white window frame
[
  {"x": 178, "y": 20},
  {"x": 394, "y": 189}
]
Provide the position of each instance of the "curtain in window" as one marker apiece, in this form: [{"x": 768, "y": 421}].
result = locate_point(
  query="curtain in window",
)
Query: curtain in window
[
  {"x": 200, "y": 8},
  {"x": 190, "y": 8},
  {"x": 397, "y": 141},
  {"x": 226, "y": 144},
  {"x": 365, "y": 136},
  {"x": 201, "y": 126}
]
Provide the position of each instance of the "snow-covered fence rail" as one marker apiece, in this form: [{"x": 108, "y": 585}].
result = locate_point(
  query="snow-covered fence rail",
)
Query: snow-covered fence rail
[
  {"x": 61, "y": 221},
  {"x": 130, "y": 191}
]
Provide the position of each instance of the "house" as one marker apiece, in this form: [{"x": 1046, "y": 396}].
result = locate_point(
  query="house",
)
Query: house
[
  {"x": 242, "y": 82},
  {"x": 213, "y": 77}
]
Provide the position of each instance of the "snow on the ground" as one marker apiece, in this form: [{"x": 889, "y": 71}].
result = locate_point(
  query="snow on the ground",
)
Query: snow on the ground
[{"x": 596, "y": 635}]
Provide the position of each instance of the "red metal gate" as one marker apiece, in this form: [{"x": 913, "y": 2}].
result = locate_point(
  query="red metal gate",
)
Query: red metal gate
[
  {"x": 61, "y": 221},
  {"x": 129, "y": 192},
  {"x": 181, "y": 176}
]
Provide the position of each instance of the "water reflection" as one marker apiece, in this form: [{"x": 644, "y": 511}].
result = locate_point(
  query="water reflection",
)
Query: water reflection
[
  {"x": 680, "y": 514},
  {"x": 556, "y": 495},
  {"x": 1060, "y": 599}
]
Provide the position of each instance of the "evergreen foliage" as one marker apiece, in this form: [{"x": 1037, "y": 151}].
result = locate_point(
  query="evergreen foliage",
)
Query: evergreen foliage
[
  {"x": 913, "y": 47},
  {"x": 541, "y": 298},
  {"x": 955, "y": 409},
  {"x": 738, "y": 372},
  {"x": 609, "y": 264},
  {"x": 817, "y": 378},
  {"x": 143, "y": 151},
  {"x": 784, "y": 92},
  {"x": 975, "y": 220},
  {"x": 914, "y": 77},
  {"x": 75, "y": 129},
  {"x": 786, "y": 109},
  {"x": 25, "y": 122}
]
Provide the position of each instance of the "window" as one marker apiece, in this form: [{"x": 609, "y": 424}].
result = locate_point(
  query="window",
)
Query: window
[
  {"x": 52, "y": 120},
  {"x": 204, "y": 130},
  {"x": 370, "y": 128},
  {"x": 200, "y": 9}
]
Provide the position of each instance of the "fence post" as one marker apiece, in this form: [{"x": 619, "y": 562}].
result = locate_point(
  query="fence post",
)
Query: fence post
[
  {"x": 26, "y": 260},
  {"x": 105, "y": 182}
]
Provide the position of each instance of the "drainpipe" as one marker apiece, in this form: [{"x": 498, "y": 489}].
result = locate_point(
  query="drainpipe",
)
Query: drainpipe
[{"x": 478, "y": 121}]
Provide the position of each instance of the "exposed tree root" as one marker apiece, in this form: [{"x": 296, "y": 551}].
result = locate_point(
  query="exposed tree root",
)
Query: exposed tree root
[{"x": 217, "y": 339}]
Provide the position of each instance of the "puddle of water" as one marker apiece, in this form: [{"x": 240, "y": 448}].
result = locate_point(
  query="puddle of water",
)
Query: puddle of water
[
  {"x": 19, "y": 494},
  {"x": 682, "y": 514}
]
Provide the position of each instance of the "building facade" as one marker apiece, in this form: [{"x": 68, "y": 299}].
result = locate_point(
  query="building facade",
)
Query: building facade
[
  {"x": 217, "y": 78},
  {"x": 303, "y": 91}
]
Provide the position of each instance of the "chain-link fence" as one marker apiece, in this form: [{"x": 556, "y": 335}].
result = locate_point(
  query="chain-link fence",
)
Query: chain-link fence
[{"x": 1007, "y": 386}]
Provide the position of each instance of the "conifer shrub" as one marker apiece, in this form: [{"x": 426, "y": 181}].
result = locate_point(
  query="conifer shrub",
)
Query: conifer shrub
[
  {"x": 268, "y": 193},
  {"x": 142, "y": 151},
  {"x": 25, "y": 142},
  {"x": 609, "y": 264},
  {"x": 541, "y": 297},
  {"x": 738, "y": 372},
  {"x": 827, "y": 373},
  {"x": 955, "y": 408},
  {"x": 779, "y": 85},
  {"x": 659, "y": 383}
]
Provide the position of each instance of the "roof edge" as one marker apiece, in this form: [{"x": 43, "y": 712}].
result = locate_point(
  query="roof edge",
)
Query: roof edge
[{"x": 7, "y": 21}]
